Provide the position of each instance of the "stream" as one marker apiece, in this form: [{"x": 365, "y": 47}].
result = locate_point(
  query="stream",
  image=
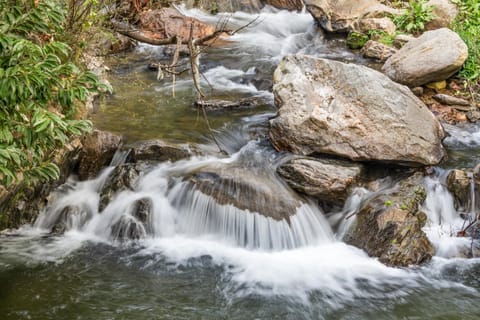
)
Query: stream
[{"x": 205, "y": 260}]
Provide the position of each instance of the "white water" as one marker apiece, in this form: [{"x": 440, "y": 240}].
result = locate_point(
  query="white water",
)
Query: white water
[
  {"x": 462, "y": 137},
  {"x": 260, "y": 255},
  {"x": 444, "y": 222}
]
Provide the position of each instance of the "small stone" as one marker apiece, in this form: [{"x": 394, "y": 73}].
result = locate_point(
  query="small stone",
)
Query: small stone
[
  {"x": 377, "y": 50},
  {"x": 437, "y": 85},
  {"x": 450, "y": 100},
  {"x": 401, "y": 39},
  {"x": 473, "y": 115},
  {"x": 418, "y": 91}
]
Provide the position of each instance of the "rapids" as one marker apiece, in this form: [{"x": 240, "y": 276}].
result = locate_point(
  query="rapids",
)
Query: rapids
[{"x": 203, "y": 260}]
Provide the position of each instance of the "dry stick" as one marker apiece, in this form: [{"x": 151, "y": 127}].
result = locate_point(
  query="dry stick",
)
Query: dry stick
[
  {"x": 176, "y": 55},
  {"x": 194, "y": 65}
]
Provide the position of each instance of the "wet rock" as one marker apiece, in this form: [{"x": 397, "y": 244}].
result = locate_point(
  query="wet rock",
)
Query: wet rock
[
  {"x": 473, "y": 115},
  {"x": 128, "y": 228},
  {"x": 444, "y": 12},
  {"x": 341, "y": 16},
  {"x": 221, "y": 105},
  {"x": 160, "y": 151},
  {"x": 123, "y": 177},
  {"x": 389, "y": 225},
  {"x": 241, "y": 188},
  {"x": 434, "y": 56},
  {"x": 97, "y": 152},
  {"x": 69, "y": 217},
  {"x": 142, "y": 210},
  {"x": 377, "y": 50},
  {"x": 351, "y": 111},
  {"x": 458, "y": 183},
  {"x": 450, "y": 101},
  {"x": 327, "y": 180},
  {"x": 136, "y": 223}
]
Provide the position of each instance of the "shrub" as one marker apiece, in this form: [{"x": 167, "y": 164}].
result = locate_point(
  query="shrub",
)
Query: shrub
[
  {"x": 467, "y": 25},
  {"x": 40, "y": 90},
  {"x": 417, "y": 13}
]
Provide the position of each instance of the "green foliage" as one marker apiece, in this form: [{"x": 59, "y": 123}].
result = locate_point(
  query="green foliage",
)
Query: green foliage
[
  {"x": 467, "y": 25},
  {"x": 417, "y": 13},
  {"x": 381, "y": 36},
  {"x": 40, "y": 90},
  {"x": 356, "y": 40}
]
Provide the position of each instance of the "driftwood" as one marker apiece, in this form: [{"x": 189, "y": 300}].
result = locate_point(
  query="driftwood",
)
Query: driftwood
[{"x": 195, "y": 49}]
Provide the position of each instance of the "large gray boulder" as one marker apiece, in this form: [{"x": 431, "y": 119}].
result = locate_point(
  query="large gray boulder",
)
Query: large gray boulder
[
  {"x": 342, "y": 15},
  {"x": 351, "y": 111},
  {"x": 434, "y": 56},
  {"x": 324, "y": 179}
]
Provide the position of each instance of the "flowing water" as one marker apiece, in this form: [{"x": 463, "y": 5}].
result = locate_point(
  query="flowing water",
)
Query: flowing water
[{"x": 201, "y": 259}]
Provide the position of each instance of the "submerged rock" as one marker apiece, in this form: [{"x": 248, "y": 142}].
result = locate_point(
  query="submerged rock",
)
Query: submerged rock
[
  {"x": 351, "y": 111},
  {"x": 328, "y": 180},
  {"x": 97, "y": 152},
  {"x": 136, "y": 223},
  {"x": 389, "y": 225},
  {"x": 159, "y": 151},
  {"x": 246, "y": 190},
  {"x": 223, "y": 105},
  {"x": 342, "y": 15},
  {"x": 434, "y": 56},
  {"x": 69, "y": 217},
  {"x": 128, "y": 228}
]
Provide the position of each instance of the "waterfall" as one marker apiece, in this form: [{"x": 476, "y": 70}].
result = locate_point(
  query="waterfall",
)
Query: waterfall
[
  {"x": 171, "y": 205},
  {"x": 444, "y": 222}
]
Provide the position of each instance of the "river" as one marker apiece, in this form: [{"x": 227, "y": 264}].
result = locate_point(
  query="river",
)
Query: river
[{"x": 204, "y": 260}]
